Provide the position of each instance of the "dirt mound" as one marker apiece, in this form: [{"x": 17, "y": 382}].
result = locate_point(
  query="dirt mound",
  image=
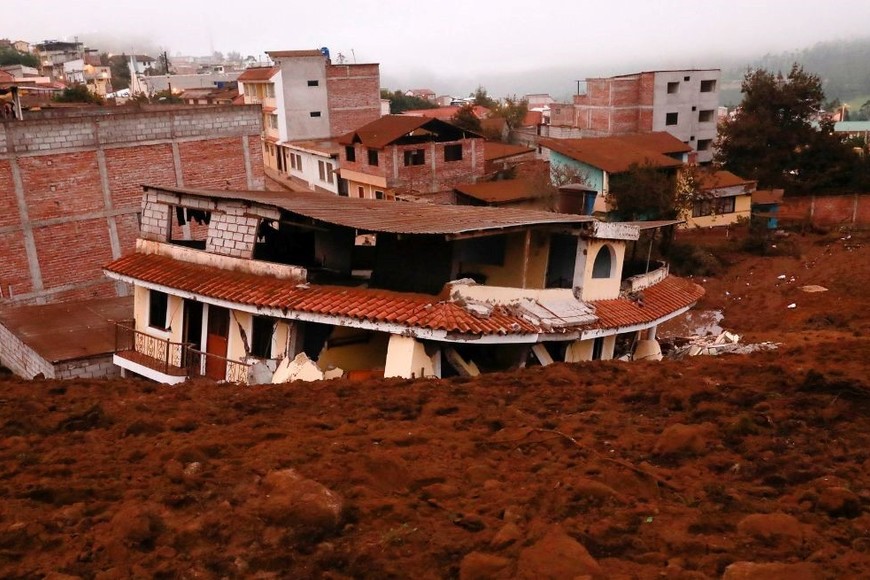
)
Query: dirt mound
[{"x": 751, "y": 466}]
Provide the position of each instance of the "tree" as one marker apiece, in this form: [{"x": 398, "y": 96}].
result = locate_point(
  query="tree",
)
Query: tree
[
  {"x": 119, "y": 65},
  {"x": 772, "y": 138},
  {"x": 400, "y": 102},
  {"x": 78, "y": 93},
  {"x": 466, "y": 119},
  {"x": 9, "y": 56},
  {"x": 863, "y": 113},
  {"x": 481, "y": 98},
  {"x": 644, "y": 192}
]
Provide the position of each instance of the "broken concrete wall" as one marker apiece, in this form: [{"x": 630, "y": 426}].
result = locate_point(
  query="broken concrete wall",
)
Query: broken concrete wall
[
  {"x": 407, "y": 358},
  {"x": 524, "y": 264},
  {"x": 353, "y": 349}
]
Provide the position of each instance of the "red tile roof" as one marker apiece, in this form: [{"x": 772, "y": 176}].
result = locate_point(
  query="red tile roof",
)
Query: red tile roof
[
  {"x": 259, "y": 74},
  {"x": 618, "y": 154},
  {"x": 409, "y": 309},
  {"x": 372, "y": 305},
  {"x": 658, "y": 300}
]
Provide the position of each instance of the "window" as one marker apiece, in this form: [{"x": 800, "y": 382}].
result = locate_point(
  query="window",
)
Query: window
[
  {"x": 708, "y": 86},
  {"x": 350, "y": 153},
  {"x": 270, "y": 91},
  {"x": 379, "y": 195},
  {"x": 361, "y": 193},
  {"x": 157, "y": 307},
  {"x": 314, "y": 114},
  {"x": 706, "y": 116},
  {"x": 272, "y": 121},
  {"x": 673, "y": 88},
  {"x": 330, "y": 174},
  {"x": 603, "y": 263},
  {"x": 597, "y": 348},
  {"x": 453, "y": 152},
  {"x": 687, "y": 79},
  {"x": 415, "y": 157},
  {"x": 313, "y": 83},
  {"x": 296, "y": 161},
  {"x": 321, "y": 169},
  {"x": 373, "y": 157},
  {"x": 672, "y": 118},
  {"x": 717, "y": 206},
  {"x": 704, "y": 144},
  {"x": 261, "y": 336}
]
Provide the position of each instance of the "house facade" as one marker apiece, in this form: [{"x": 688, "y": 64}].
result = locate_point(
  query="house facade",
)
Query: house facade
[
  {"x": 305, "y": 97},
  {"x": 682, "y": 102},
  {"x": 409, "y": 155},
  {"x": 724, "y": 199},
  {"x": 258, "y": 279},
  {"x": 594, "y": 160}
]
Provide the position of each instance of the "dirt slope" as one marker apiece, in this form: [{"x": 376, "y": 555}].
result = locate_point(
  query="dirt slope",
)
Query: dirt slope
[{"x": 606, "y": 470}]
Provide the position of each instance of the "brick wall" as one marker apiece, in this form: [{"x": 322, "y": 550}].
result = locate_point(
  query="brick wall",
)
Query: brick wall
[
  {"x": 830, "y": 210},
  {"x": 353, "y": 97},
  {"x": 70, "y": 187}
]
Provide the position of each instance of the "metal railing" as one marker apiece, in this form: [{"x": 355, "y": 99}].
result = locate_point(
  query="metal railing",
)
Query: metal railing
[{"x": 175, "y": 358}]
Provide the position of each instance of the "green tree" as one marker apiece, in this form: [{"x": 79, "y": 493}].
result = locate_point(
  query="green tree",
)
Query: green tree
[
  {"x": 863, "y": 113},
  {"x": 120, "y": 68},
  {"x": 466, "y": 119},
  {"x": 772, "y": 138},
  {"x": 513, "y": 110},
  {"x": 78, "y": 93},
  {"x": 482, "y": 99},
  {"x": 644, "y": 192},
  {"x": 9, "y": 55},
  {"x": 400, "y": 102}
]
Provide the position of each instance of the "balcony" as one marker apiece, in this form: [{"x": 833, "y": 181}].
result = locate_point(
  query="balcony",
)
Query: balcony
[{"x": 171, "y": 362}]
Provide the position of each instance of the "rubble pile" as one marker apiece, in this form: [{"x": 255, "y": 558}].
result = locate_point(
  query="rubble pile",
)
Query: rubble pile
[{"x": 724, "y": 342}]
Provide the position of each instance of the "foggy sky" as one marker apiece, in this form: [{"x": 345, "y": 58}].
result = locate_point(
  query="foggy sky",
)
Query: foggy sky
[{"x": 449, "y": 44}]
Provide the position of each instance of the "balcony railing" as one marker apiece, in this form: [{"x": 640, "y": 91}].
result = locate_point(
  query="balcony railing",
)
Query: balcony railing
[{"x": 174, "y": 358}]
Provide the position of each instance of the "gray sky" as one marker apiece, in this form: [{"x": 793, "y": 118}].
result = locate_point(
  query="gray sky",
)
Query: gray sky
[{"x": 454, "y": 42}]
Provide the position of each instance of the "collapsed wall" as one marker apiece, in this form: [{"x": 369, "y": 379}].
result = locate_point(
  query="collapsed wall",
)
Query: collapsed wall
[{"x": 70, "y": 187}]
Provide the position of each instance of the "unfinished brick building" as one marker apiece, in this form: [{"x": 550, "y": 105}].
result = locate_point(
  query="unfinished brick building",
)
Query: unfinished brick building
[{"x": 70, "y": 187}]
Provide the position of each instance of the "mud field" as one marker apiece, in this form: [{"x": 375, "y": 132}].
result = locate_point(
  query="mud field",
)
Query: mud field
[{"x": 747, "y": 467}]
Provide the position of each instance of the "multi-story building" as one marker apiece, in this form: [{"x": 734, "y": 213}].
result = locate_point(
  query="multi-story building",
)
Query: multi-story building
[
  {"x": 409, "y": 155},
  {"x": 269, "y": 287},
  {"x": 682, "y": 102},
  {"x": 306, "y": 97}
]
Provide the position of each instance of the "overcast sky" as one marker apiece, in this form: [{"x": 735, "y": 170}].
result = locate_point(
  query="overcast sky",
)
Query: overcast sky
[{"x": 456, "y": 42}]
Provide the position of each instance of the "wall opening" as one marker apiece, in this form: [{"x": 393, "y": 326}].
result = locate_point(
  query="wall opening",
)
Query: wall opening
[
  {"x": 603, "y": 265},
  {"x": 188, "y": 227},
  {"x": 561, "y": 261}
]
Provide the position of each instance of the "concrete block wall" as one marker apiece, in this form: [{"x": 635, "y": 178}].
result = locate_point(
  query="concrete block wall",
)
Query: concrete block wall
[
  {"x": 20, "y": 358},
  {"x": 232, "y": 234},
  {"x": 71, "y": 188},
  {"x": 100, "y": 367}
]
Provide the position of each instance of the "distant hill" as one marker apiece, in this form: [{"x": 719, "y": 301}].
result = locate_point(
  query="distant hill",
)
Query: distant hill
[{"x": 844, "y": 67}]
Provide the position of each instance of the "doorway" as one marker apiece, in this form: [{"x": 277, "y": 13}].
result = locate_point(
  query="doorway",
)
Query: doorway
[{"x": 217, "y": 340}]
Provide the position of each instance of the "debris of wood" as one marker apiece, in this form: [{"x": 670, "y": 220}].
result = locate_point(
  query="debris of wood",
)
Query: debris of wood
[{"x": 813, "y": 288}]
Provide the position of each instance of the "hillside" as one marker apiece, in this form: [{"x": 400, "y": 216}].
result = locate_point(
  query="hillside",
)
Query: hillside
[{"x": 754, "y": 467}]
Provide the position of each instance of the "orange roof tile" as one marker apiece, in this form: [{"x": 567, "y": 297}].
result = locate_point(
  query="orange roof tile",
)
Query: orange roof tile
[
  {"x": 494, "y": 150},
  {"x": 721, "y": 179},
  {"x": 502, "y": 191},
  {"x": 659, "y": 300},
  {"x": 372, "y": 305}
]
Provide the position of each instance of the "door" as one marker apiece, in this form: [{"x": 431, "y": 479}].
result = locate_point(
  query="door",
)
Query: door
[
  {"x": 192, "y": 332},
  {"x": 217, "y": 338}
]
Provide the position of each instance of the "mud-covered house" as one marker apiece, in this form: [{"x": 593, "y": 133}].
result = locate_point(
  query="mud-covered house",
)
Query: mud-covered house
[{"x": 238, "y": 285}]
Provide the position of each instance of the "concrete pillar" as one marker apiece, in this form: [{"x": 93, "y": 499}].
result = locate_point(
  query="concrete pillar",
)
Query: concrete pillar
[{"x": 407, "y": 358}]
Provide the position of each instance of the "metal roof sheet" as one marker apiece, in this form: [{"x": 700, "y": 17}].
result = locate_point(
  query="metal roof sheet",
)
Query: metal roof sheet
[{"x": 396, "y": 217}]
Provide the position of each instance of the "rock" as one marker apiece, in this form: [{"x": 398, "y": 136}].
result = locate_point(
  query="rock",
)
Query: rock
[
  {"x": 513, "y": 514},
  {"x": 480, "y": 566},
  {"x": 679, "y": 439},
  {"x": 771, "y": 527},
  {"x": 556, "y": 556},
  {"x": 507, "y": 535},
  {"x": 771, "y": 571},
  {"x": 259, "y": 374},
  {"x": 300, "y": 368},
  {"x": 647, "y": 350},
  {"x": 294, "y": 501},
  {"x": 594, "y": 491},
  {"x": 839, "y": 502}
]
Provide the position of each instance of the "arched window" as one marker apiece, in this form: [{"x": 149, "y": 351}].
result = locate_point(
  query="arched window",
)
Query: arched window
[{"x": 603, "y": 264}]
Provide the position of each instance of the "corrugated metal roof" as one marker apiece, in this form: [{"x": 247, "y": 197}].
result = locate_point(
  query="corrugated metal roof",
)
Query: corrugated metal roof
[
  {"x": 618, "y": 154},
  {"x": 502, "y": 191},
  {"x": 493, "y": 150},
  {"x": 403, "y": 308},
  {"x": 389, "y": 128},
  {"x": 395, "y": 217}
]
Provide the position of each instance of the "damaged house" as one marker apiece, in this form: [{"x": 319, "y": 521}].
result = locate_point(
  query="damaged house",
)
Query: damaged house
[{"x": 239, "y": 285}]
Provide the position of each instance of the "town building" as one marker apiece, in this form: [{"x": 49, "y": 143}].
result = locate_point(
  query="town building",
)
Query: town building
[
  {"x": 98, "y": 79},
  {"x": 408, "y": 155},
  {"x": 594, "y": 160},
  {"x": 425, "y": 94},
  {"x": 724, "y": 199},
  {"x": 269, "y": 287},
  {"x": 306, "y": 97},
  {"x": 682, "y": 102}
]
